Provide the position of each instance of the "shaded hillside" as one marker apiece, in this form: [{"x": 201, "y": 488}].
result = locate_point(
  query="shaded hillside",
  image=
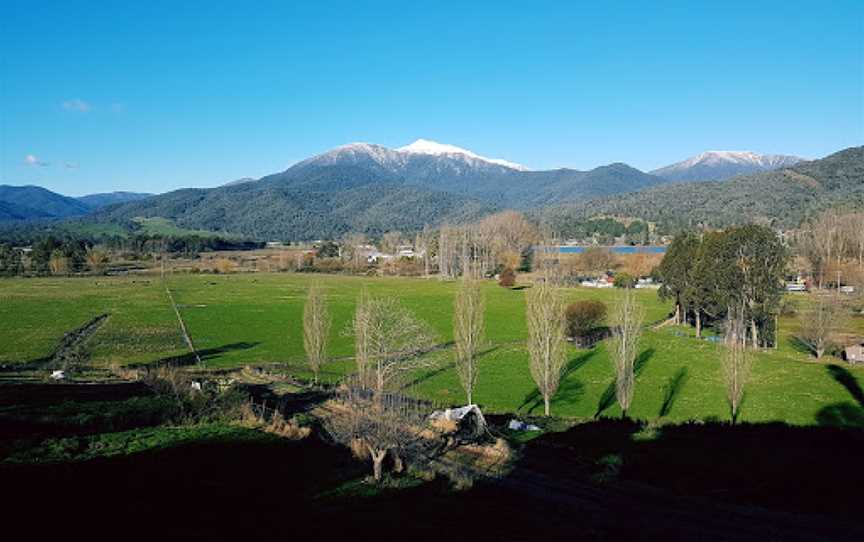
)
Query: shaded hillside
[
  {"x": 34, "y": 202},
  {"x": 324, "y": 203},
  {"x": 783, "y": 197},
  {"x": 95, "y": 201}
]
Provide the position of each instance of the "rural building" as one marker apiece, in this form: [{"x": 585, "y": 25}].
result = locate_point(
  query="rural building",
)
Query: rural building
[{"x": 854, "y": 354}]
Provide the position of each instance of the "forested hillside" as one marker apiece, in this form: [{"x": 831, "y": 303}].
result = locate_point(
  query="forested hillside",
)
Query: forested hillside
[
  {"x": 782, "y": 198},
  {"x": 325, "y": 203}
]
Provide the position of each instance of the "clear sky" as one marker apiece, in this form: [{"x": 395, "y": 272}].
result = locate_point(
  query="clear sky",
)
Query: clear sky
[{"x": 152, "y": 96}]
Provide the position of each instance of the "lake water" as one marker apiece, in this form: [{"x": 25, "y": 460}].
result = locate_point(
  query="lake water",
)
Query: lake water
[{"x": 626, "y": 249}]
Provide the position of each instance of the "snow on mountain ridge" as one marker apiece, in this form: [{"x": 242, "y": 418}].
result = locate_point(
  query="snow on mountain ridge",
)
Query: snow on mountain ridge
[
  {"x": 426, "y": 146},
  {"x": 714, "y": 165},
  {"x": 392, "y": 159}
]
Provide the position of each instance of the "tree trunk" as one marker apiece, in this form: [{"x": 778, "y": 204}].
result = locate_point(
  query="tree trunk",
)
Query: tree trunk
[
  {"x": 698, "y": 323},
  {"x": 377, "y": 463},
  {"x": 677, "y": 312},
  {"x": 754, "y": 332},
  {"x": 546, "y": 403},
  {"x": 776, "y": 332},
  {"x": 398, "y": 465}
]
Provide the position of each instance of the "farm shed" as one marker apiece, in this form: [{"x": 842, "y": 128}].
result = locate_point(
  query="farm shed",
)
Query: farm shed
[{"x": 854, "y": 354}]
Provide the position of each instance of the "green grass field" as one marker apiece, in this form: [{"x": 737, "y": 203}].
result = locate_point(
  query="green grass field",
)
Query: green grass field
[{"x": 256, "y": 318}]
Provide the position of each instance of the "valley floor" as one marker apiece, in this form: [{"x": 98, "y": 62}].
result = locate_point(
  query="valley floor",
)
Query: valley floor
[{"x": 256, "y": 320}]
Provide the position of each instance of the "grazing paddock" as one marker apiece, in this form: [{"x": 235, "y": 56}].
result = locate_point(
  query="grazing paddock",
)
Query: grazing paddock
[{"x": 249, "y": 319}]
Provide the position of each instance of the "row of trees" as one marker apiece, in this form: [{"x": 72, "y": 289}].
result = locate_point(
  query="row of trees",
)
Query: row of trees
[
  {"x": 710, "y": 274},
  {"x": 833, "y": 246}
]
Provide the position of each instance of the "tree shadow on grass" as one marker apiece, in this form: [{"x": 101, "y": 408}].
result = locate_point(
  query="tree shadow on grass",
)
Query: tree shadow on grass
[
  {"x": 444, "y": 367},
  {"x": 846, "y": 413},
  {"x": 800, "y": 346},
  {"x": 189, "y": 358},
  {"x": 673, "y": 390},
  {"x": 848, "y": 381},
  {"x": 570, "y": 390},
  {"x": 607, "y": 399}
]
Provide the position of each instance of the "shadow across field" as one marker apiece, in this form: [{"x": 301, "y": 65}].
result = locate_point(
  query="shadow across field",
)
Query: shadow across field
[
  {"x": 845, "y": 413},
  {"x": 607, "y": 399},
  {"x": 686, "y": 483},
  {"x": 570, "y": 390},
  {"x": 672, "y": 390},
  {"x": 718, "y": 461},
  {"x": 187, "y": 359}
]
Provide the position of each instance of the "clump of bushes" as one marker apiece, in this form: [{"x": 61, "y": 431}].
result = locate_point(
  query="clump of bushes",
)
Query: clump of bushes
[
  {"x": 507, "y": 278},
  {"x": 624, "y": 280},
  {"x": 585, "y": 316}
]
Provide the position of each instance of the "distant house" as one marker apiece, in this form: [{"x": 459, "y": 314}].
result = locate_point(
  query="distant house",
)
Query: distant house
[
  {"x": 854, "y": 354},
  {"x": 405, "y": 251}
]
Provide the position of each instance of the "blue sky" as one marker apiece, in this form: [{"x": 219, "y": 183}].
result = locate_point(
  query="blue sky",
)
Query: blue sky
[{"x": 152, "y": 96}]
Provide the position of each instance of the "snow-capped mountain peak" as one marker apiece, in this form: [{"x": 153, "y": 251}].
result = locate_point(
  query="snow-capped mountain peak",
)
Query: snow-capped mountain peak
[
  {"x": 716, "y": 165},
  {"x": 426, "y": 146}
]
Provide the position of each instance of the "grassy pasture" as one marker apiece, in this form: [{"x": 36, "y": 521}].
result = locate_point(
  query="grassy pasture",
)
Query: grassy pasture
[{"x": 256, "y": 318}]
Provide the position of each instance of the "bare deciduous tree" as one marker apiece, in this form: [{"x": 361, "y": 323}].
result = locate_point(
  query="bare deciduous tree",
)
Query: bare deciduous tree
[
  {"x": 96, "y": 259},
  {"x": 353, "y": 250},
  {"x": 819, "y": 322},
  {"x": 468, "y": 328},
  {"x": 375, "y": 424},
  {"x": 627, "y": 321},
  {"x": 546, "y": 338},
  {"x": 360, "y": 330},
  {"x": 735, "y": 359},
  {"x": 58, "y": 263},
  {"x": 389, "y": 341},
  {"x": 316, "y": 329}
]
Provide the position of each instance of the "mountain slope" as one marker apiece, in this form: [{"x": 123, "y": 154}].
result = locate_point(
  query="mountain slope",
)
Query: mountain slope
[
  {"x": 95, "y": 201},
  {"x": 719, "y": 165},
  {"x": 782, "y": 197},
  {"x": 447, "y": 168},
  {"x": 10, "y": 212},
  {"x": 34, "y": 202},
  {"x": 320, "y": 202}
]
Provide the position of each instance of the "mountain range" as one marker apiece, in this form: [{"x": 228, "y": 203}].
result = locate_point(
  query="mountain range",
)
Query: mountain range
[
  {"x": 719, "y": 165},
  {"x": 371, "y": 188},
  {"x": 781, "y": 197},
  {"x": 34, "y": 203}
]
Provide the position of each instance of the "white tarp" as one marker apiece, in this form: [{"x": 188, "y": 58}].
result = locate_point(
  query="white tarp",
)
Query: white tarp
[
  {"x": 457, "y": 414},
  {"x": 519, "y": 425}
]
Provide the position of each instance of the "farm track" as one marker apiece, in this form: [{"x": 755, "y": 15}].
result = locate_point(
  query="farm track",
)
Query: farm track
[{"x": 66, "y": 350}]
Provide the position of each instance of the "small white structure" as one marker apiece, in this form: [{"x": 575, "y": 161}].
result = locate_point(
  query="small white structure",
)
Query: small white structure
[
  {"x": 796, "y": 287},
  {"x": 58, "y": 375},
  {"x": 854, "y": 354},
  {"x": 596, "y": 283},
  {"x": 847, "y": 289},
  {"x": 519, "y": 425},
  {"x": 462, "y": 414},
  {"x": 196, "y": 386}
]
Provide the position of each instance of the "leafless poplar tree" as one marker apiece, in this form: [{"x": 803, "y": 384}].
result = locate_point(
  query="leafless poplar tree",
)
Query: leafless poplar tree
[
  {"x": 389, "y": 341},
  {"x": 468, "y": 329},
  {"x": 352, "y": 250},
  {"x": 360, "y": 331},
  {"x": 735, "y": 359},
  {"x": 316, "y": 329},
  {"x": 819, "y": 321},
  {"x": 546, "y": 338},
  {"x": 96, "y": 259},
  {"x": 627, "y": 321}
]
